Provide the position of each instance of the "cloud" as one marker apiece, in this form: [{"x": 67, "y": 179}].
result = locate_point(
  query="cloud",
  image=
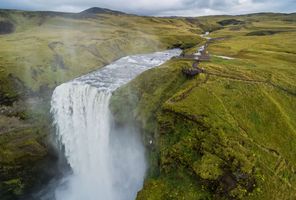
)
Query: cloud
[{"x": 158, "y": 7}]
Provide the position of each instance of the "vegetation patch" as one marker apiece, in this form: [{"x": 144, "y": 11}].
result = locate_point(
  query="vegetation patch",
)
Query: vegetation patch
[
  {"x": 6, "y": 27},
  {"x": 96, "y": 10},
  {"x": 228, "y": 133},
  {"x": 220, "y": 135},
  {"x": 23, "y": 160},
  {"x": 263, "y": 33},
  {"x": 227, "y": 22}
]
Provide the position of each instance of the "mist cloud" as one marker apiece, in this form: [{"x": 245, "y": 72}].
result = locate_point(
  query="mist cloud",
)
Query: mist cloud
[{"x": 158, "y": 7}]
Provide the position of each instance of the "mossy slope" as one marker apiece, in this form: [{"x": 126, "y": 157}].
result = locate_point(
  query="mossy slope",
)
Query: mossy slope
[
  {"x": 23, "y": 157},
  {"x": 228, "y": 133},
  {"x": 40, "y": 50}
]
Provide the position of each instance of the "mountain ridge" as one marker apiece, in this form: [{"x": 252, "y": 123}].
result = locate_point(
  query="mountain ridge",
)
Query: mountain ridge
[
  {"x": 99, "y": 10},
  {"x": 102, "y": 10}
]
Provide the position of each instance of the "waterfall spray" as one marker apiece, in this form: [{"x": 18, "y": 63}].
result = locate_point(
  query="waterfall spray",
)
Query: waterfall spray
[{"x": 107, "y": 163}]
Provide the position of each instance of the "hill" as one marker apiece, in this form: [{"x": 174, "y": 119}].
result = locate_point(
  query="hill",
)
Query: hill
[
  {"x": 228, "y": 133},
  {"x": 40, "y": 50},
  {"x": 96, "y": 10}
]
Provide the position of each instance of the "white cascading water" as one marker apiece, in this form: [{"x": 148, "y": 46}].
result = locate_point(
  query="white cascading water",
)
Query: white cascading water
[{"x": 107, "y": 163}]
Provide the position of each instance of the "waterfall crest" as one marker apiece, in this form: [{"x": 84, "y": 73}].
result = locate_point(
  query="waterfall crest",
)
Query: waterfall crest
[{"x": 107, "y": 163}]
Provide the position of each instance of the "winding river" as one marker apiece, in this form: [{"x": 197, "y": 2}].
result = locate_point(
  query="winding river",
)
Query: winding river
[{"x": 107, "y": 163}]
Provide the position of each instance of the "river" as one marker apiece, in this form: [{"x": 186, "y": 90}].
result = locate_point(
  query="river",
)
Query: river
[{"x": 107, "y": 163}]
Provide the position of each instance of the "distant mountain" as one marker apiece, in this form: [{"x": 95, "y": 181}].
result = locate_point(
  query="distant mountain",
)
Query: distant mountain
[{"x": 97, "y": 10}]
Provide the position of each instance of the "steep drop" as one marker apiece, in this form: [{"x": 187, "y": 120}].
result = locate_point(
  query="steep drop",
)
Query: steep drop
[{"x": 107, "y": 163}]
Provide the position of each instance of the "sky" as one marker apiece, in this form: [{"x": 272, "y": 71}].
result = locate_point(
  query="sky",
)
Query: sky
[{"x": 158, "y": 7}]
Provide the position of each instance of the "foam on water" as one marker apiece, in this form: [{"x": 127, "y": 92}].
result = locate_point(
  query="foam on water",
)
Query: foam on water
[{"x": 107, "y": 163}]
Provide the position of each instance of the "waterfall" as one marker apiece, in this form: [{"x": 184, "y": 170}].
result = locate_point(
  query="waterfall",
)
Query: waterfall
[{"x": 107, "y": 163}]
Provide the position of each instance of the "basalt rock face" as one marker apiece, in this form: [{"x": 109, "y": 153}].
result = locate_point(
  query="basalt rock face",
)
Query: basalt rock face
[{"x": 6, "y": 27}]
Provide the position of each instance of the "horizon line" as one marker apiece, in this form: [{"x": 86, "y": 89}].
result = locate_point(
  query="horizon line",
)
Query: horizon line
[{"x": 122, "y": 12}]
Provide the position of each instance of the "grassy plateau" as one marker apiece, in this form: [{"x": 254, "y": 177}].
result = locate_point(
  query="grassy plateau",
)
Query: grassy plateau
[{"x": 230, "y": 132}]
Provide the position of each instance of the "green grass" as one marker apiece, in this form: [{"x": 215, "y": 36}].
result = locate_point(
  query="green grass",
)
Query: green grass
[
  {"x": 21, "y": 151},
  {"x": 83, "y": 44},
  {"x": 226, "y": 134},
  {"x": 47, "y": 50},
  {"x": 229, "y": 133}
]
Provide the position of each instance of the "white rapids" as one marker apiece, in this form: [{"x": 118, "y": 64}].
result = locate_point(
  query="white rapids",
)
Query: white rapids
[{"x": 107, "y": 164}]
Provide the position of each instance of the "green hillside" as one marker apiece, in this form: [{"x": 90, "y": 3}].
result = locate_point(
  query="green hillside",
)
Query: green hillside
[
  {"x": 49, "y": 48},
  {"x": 40, "y": 50},
  {"x": 228, "y": 133}
]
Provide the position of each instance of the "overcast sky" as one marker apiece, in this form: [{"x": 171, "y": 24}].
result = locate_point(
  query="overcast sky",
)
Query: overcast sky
[{"x": 158, "y": 7}]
